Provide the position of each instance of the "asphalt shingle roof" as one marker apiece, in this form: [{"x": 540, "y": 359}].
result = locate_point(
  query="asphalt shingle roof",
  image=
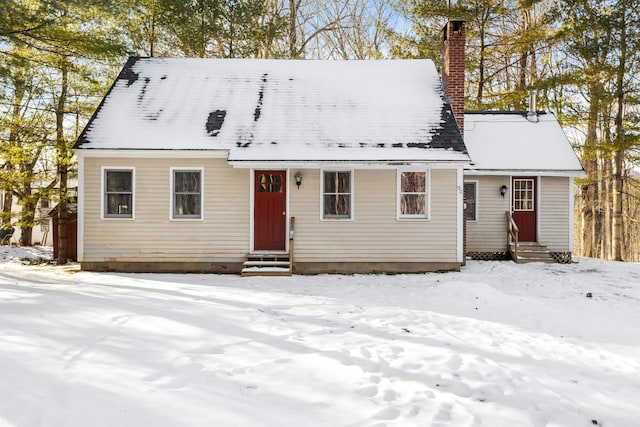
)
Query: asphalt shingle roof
[{"x": 272, "y": 110}]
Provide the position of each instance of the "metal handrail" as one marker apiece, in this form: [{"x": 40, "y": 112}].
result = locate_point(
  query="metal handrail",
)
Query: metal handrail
[{"x": 512, "y": 235}]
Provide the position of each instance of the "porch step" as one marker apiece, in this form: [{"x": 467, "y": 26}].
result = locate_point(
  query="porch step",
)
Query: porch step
[
  {"x": 531, "y": 252},
  {"x": 266, "y": 265}
]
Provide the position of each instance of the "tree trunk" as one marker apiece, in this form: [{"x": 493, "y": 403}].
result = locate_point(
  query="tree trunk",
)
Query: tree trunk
[
  {"x": 6, "y": 209},
  {"x": 293, "y": 36},
  {"x": 589, "y": 187},
  {"x": 617, "y": 235},
  {"x": 64, "y": 157},
  {"x": 618, "y": 164},
  {"x": 27, "y": 216}
]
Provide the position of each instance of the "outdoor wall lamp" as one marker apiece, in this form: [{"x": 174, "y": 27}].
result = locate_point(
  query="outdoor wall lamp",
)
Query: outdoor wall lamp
[
  {"x": 298, "y": 177},
  {"x": 503, "y": 190}
]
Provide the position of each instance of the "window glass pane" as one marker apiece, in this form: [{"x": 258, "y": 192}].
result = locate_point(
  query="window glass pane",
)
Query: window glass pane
[
  {"x": 413, "y": 182},
  {"x": 337, "y": 205},
  {"x": 412, "y": 204},
  {"x": 119, "y": 181},
  {"x": 344, "y": 182},
  {"x": 187, "y": 181},
  {"x": 330, "y": 182},
  {"x": 119, "y": 204},
  {"x": 187, "y": 205},
  {"x": 337, "y": 182}
]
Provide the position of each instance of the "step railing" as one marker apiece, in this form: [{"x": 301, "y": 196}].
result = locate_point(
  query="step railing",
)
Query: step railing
[
  {"x": 292, "y": 224},
  {"x": 512, "y": 236}
]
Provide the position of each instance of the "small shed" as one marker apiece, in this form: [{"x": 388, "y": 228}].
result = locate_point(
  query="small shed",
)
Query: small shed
[{"x": 72, "y": 230}]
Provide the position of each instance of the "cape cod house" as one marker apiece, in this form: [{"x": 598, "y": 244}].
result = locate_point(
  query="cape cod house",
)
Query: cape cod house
[{"x": 269, "y": 166}]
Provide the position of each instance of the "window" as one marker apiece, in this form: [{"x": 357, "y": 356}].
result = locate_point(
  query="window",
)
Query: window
[
  {"x": 412, "y": 194},
  {"x": 187, "y": 194},
  {"x": 268, "y": 182},
  {"x": 470, "y": 200},
  {"x": 118, "y": 193},
  {"x": 336, "y": 194},
  {"x": 523, "y": 194}
]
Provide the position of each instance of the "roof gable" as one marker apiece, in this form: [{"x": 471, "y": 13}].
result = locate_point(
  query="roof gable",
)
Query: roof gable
[{"x": 279, "y": 110}]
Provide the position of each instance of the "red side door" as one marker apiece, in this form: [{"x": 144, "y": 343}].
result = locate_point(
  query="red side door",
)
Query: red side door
[
  {"x": 269, "y": 210},
  {"x": 523, "y": 200}
]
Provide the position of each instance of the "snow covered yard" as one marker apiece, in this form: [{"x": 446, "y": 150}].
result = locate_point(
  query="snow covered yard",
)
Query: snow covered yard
[{"x": 497, "y": 344}]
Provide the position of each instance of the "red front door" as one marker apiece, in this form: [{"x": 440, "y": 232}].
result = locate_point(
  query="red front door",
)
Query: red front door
[
  {"x": 269, "y": 210},
  {"x": 524, "y": 206}
]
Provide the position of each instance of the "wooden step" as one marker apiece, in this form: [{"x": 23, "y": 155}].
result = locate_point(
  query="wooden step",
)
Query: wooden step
[
  {"x": 266, "y": 264},
  {"x": 531, "y": 252}
]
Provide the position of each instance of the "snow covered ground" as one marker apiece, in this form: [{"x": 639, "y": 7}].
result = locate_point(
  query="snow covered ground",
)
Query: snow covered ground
[{"x": 497, "y": 344}]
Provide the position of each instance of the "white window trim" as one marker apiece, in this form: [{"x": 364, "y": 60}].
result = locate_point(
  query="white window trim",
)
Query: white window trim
[
  {"x": 477, "y": 183},
  {"x": 534, "y": 201},
  {"x": 427, "y": 208},
  {"x": 351, "y": 185},
  {"x": 173, "y": 169},
  {"x": 103, "y": 173}
]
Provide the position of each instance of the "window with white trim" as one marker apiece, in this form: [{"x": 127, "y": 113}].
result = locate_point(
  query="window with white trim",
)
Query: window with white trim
[
  {"x": 186, "y": 194},
  {"x": 412, "y": 194},
  {"x": 337, "y": 194},
  {"x": 523, "y": 194},
  {"x": 470, "y": 200},
  {"x": 118, "y": 193}
]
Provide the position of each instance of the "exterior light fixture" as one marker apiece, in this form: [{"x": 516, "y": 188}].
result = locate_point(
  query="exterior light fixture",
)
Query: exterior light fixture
[
  {"x": 298, "y": 177},
  {"x": 503, "y": 190}
]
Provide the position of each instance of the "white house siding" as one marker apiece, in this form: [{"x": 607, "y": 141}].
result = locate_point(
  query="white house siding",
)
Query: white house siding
[
  {"x": 375, "y": 234},
  {"x": 222, "y": 236},
  {"x": 555, "y": 213},
  {"x": 488, "y": 232}
]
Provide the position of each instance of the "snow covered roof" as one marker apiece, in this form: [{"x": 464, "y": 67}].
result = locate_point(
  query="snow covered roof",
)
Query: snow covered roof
[
  {"x": 512, "y": 141},
  {"x": 274, "y": 110}
]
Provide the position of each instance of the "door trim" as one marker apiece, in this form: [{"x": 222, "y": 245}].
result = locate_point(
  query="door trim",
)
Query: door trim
[{"x": 252, "y": 196}]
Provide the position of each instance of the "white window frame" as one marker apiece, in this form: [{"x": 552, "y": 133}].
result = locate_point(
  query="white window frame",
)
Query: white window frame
[
  {"x": 533, "y": 194},
  {"x": 351, "y": 193},
  {"x": 172, "y": 171},
  {"x": 427, "y": 198},
  {"x": 477, "y": 185},
  {"x": 103, "y": 191}
]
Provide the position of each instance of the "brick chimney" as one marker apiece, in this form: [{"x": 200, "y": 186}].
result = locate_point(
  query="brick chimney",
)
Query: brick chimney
[{"x": 453, "y": 42}]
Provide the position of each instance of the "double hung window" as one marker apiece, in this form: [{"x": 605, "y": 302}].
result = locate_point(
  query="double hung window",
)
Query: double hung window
[
  {"x": 186, "y": 198},
  {"x": 412, "y": 194},
  {"x": 337, "y": 195},
  {"x": 118, "y": 193}
]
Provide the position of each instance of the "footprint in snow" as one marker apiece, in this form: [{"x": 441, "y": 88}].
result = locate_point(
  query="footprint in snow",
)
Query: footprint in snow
[
  {"x": 368, "y": 391},
  {"x": 387, "y": 414},
  {"x": 455, "y": 363},
  {"x": 389, "y": 395}
]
